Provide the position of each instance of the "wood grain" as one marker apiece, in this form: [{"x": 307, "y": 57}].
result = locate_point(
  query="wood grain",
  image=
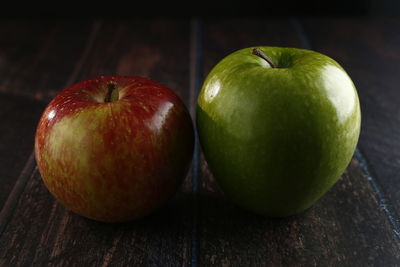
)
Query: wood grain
[
  {"x": 42, "y": 232},
  {"x": 346, "y": 227},
  {"x": 19, "y": 115},
  {"x": 199, "y": 226},
  {"x": 35, "y": 58},
  {"x": 369, "y": 51}
]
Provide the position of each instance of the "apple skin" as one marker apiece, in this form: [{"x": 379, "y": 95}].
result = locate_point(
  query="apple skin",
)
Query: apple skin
[
  {"x": 276, "y": 139},
  {"x": 114, "y": 161}
]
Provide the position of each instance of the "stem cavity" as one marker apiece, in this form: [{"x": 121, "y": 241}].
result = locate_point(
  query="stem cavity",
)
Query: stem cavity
[{"x": 258, "y": 52}]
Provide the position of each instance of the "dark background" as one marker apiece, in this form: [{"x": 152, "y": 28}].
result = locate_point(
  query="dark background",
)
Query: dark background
[{"x": 225, "y": 8}]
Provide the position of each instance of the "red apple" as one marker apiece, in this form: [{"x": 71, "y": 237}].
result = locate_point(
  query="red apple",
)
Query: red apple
[{"x": 114, "y": 148}]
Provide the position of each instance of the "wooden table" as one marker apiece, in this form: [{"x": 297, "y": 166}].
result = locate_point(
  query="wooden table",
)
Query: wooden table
[{"x": 355, "y": 224}]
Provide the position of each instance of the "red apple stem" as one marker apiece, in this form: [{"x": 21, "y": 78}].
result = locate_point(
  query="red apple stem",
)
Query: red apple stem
[
  {"x": 110, "y": 95},
  {"x": 258, "y": 52}
]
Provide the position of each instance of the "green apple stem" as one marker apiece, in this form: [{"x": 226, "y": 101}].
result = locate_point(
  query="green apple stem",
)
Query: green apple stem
[
  {"x": 112, "y": 93},
  {"x": 257, "y": 52}
]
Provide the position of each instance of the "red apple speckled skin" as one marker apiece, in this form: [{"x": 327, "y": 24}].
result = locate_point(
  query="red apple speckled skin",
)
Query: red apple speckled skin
[{"x": 114, "y": 161}]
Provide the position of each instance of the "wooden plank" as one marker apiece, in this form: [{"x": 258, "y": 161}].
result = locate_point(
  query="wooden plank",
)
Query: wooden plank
[
  {"x": 35, "y": 58},
  {"x": 345, "y": 227},
  {"x": 370, "y": 51},
  {"x": 20, "y": 115},
  {"x": 42, "y": 232}
]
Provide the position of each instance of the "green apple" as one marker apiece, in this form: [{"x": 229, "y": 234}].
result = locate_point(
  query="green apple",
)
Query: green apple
[{"x": 278, "y": 127}]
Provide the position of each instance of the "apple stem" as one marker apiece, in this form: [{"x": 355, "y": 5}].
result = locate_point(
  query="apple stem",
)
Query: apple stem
[
  {"x": 112, "y": 93},
  {"x": 258, "y": 52}
]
